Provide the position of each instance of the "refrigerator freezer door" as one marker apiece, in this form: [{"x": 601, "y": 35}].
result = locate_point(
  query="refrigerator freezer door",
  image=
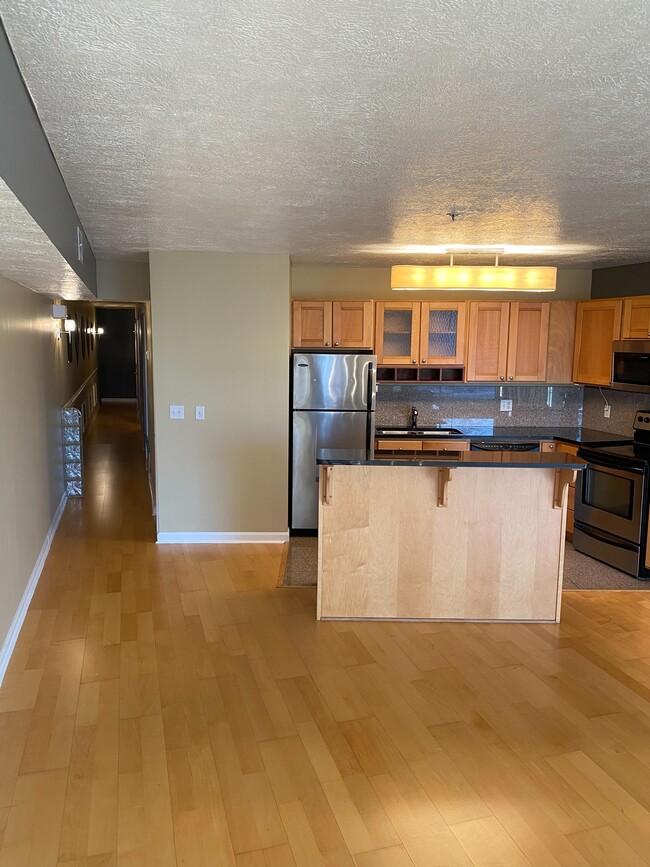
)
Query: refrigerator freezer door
[
  {"x": 337, "y": 382},
  {"x": 319, "y": 430}
]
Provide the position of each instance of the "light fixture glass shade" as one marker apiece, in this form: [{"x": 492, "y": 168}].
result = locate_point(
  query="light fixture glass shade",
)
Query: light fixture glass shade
[
  {"x": 495, "y": 278},
  {"x": 69, "y": 325}
]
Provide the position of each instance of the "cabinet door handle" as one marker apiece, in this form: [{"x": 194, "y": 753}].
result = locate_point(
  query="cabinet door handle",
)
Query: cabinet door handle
[
  {"x": 509, "y": 377},
  {"x": 502, "y": 377},
  {"x": 415, "y": 361},
  {"x": 424, "y": 361},
  {"x": 337, "y": 343},
  {"x": 327, "y": 343}
]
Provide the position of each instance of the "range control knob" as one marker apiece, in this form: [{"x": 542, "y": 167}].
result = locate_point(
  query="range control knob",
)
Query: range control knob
[{"x": 646, "y": 419}]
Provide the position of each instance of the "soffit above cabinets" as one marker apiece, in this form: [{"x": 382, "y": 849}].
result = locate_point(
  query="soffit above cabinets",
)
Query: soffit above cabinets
[
  {"x": 28, "y": 256},
  {"x": 328, "y": 130}
]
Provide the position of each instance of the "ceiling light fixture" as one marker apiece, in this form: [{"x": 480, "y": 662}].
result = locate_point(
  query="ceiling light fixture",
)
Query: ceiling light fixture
[{"x": 482, "y": 278}]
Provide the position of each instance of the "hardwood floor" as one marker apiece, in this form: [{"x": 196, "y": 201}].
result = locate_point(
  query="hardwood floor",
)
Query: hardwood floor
[{"x": 168, "y": 705}]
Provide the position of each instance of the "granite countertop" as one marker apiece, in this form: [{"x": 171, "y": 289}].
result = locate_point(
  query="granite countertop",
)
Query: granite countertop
[
  {"x": 578, "y": 435},
  {"x": 495, "y": 459}
]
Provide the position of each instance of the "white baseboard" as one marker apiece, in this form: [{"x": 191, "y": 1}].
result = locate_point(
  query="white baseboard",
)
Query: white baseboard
[
  {"x": 212, "y": 538},
  {"x": 21, "y": 613}
]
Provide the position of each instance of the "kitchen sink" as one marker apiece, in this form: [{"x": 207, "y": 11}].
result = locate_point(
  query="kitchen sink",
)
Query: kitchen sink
[{"x": 419, "y": 432}]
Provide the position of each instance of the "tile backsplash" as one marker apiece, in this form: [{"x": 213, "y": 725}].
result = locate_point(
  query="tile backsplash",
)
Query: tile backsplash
[
  {"x": 478, "y": 406},
  {"x": 624, "y": 405}
]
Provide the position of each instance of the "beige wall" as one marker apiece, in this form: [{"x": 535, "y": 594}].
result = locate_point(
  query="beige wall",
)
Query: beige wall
[
  {"x": 119, "y": 280},
  {"x": 343, "y": 282},
  {"x": 35, "y": 381},
  {"x": 221, "y": 339}
]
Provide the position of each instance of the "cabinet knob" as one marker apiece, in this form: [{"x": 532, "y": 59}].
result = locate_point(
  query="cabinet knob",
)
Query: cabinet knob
[
  {"x": 424, "y": 361},
  {"x": 336, "y": 343},
  {"x": 509, "y": 377},
  {"x": 327, "y": 343},
  {"x": 502, "y": 377},
  {"x": 415, "y": 361}
]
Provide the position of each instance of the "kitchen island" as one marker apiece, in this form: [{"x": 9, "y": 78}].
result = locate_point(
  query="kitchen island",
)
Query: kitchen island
[{"x": 453, "y": 536}]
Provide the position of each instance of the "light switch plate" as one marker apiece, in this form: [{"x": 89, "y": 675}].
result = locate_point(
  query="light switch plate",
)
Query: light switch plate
[
  {"x": 176, "y": 411},
  {"x": 200, "y": 413},
  {"x": 506, "y": 406}
]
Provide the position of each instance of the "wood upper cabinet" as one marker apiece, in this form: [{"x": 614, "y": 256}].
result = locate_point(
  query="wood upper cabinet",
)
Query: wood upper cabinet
[
  {"x": 487, "y": 357},
  {"x": 443, "y": 327},
  {"x": 508, "y": 342},
  {"x": 528, "y": 341},
  {"x": 397, "y": 335},
  {"x": 561, "y": 339},
  {"x": 598, "y": 323},
  {"x": 342, "y": 324},
  {"x": 427, "y": 332},
  {"x": 636, "y": 318},
  {"x": 352, "y": 324}
]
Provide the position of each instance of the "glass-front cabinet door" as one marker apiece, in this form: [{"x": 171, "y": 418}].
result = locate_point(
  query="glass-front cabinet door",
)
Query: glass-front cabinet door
[
  {"x": 398, "y": 332},
  {"x": 443, "y": 327}
]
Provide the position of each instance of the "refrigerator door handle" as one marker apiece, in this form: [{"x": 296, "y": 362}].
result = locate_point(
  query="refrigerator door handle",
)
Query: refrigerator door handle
[{"x": 372, "y": 386}]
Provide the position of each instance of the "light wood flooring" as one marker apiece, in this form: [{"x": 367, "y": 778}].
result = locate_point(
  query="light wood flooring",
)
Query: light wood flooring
[{"x": 168, "y": 705}]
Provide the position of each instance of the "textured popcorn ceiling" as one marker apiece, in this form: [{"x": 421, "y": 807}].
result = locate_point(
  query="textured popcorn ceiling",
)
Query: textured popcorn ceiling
[
  {"x": 324, "y": 128},
  {"x": 28, "y": 257}
]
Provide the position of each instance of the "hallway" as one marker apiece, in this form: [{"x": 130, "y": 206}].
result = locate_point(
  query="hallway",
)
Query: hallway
[{"x": 168, "y": 705}]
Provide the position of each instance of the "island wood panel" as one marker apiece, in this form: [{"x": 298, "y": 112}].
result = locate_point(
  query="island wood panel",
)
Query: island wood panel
[{"x": 388, "y": 550}]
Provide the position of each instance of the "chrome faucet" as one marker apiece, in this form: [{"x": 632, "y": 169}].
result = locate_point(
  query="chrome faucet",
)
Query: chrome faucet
[{"x": 414, "y": 417}]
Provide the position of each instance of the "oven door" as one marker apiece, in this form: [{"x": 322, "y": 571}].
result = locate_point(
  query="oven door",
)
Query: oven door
[{"x": 611, "y": 500}]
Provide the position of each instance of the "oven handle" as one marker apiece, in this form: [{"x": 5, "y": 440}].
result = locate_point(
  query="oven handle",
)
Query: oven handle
[
  {"x": 606, "y": 537},
  {"x": 613, "y": 469}
]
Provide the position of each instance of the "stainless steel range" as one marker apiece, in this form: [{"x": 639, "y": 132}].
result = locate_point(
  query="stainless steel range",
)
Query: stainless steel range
[{"x": 611, "y": 508}]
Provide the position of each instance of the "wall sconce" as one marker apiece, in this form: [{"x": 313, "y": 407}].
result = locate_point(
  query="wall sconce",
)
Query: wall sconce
[{"x": 60, "y": 311}]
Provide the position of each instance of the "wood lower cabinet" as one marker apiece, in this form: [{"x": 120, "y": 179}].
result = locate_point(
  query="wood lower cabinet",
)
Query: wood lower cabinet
[
  {"x": 598, "y": 323},
  {"x": 508, "y": 342},
  {"x": 339, "y": 324},
  {"x": 409, "y": 445},
  {"x": 636, "y": 318}
]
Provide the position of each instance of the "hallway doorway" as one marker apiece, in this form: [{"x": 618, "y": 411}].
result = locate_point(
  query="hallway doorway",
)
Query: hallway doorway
[
  {"x": 125, "y": 369},
  {"x": 116, "y": 356}
]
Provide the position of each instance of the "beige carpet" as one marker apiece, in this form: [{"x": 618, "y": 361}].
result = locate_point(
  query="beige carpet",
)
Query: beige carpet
[{"x": 299, "y": 569}]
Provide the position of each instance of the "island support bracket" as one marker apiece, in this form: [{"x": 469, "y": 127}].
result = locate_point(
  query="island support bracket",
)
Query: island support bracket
[
  {"x": 563, "y": 478},
  {"x": 327, "y": 485},
  {"x": 444, "y": 477}
]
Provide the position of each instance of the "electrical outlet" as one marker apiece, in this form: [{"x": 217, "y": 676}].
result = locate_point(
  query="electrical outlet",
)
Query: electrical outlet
[
  {"x": 607, "y": 410},
  {"x": 506, "y": 406},
  {"x": 199, "y": 413},
  {"x": 176, "y": 411}
]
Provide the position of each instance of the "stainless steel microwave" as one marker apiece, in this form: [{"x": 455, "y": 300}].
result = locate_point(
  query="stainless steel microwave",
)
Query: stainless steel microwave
[{"x": 631, "y": 365}]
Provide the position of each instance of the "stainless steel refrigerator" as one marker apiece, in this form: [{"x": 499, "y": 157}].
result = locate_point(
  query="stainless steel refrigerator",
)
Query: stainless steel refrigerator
[{"x": 333, "y": 405}]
